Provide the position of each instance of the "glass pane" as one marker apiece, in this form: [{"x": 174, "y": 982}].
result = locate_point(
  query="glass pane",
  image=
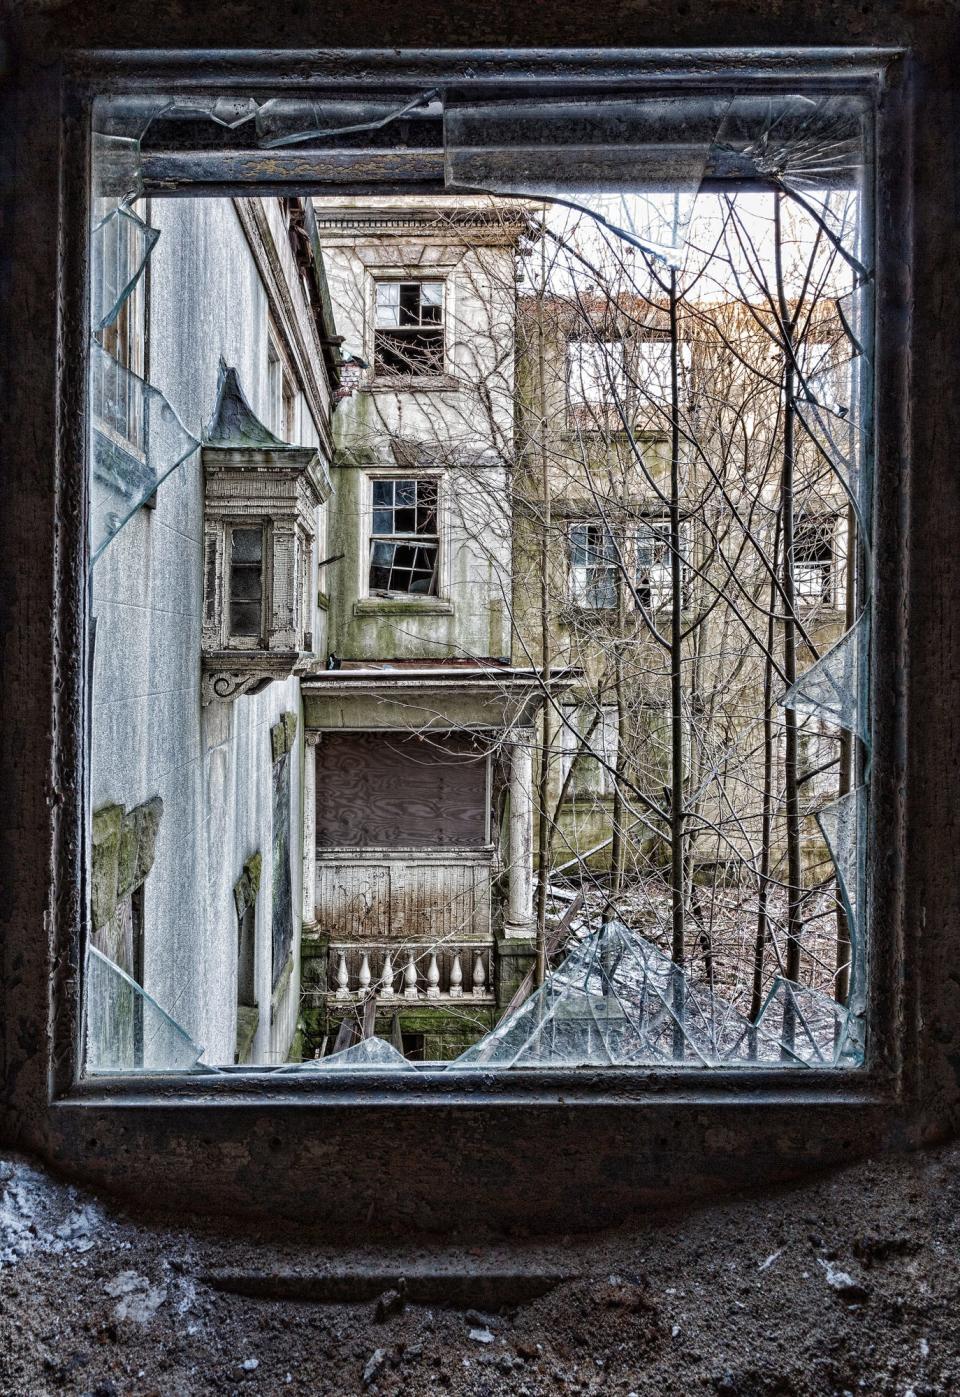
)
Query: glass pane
[
  {"x": 261, "y": 613},
  {"x": 246, "y": 584},
  {"x": 245, "y": 618},
  {"x": 247, "y": 545}
]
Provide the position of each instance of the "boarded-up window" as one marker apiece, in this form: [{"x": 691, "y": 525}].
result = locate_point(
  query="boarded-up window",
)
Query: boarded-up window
[{"x": 388, "y": 790}]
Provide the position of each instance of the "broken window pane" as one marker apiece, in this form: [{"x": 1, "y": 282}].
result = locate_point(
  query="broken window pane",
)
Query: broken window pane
[
  {"x": 404, "y": 510},
  {"x": 136, "y": 441},
  {"x": 409, "y": 328},
  {"x": 126, "y": 1030},
  {"x": 407, "y": 642}
]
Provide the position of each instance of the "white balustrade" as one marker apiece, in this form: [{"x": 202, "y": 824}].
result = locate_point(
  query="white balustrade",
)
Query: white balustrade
[{"x": 436, "y": 972}]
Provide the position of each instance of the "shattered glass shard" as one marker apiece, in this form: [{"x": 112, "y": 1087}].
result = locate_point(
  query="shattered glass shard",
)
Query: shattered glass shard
[
  {"x": 126, "y": 1030},
  {"x": 369, "y": 1052},
  {"x": 117, "y": 177},
  {"x": 121, "y": 244},
  {"x": 229, "y": 112},
  {"x": 285, "y": 121},
  {"x": 812, "y": 149},
  {"x": 617, "y": 1000},
  {"x": 835, "y": 687},
  {"x": 828, "y": 406},
  {"x": 843, "y": 825},
  {"x": 639, "y": 166},
  {"x": 811, "y": 1029},
  {"x": 136, "y": 441}
]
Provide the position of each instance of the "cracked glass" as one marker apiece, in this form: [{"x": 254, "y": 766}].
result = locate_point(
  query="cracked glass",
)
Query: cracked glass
[{"x": 609, "y": 359}]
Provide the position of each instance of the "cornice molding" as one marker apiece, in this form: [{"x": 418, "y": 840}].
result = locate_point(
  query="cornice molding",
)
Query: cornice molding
[{"x": 299, "y": 329}]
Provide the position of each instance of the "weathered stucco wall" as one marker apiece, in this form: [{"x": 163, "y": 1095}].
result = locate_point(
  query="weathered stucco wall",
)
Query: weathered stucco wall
[{"x": 150, "y": 736}]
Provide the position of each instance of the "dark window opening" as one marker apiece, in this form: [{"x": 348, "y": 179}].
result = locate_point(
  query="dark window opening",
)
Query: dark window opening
[
  {"x": 408, "y": 333},
  {"x": 246, "y": 582},
  {"x": 404, "y": 542},
  {"x": 414, "y": 1046},
  {"x": 246, "y": 988},
  {"x": 653, "y": 580}
]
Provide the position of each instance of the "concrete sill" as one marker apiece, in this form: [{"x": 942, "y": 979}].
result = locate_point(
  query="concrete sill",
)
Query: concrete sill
[
  {"x": 413, "y": 383},
  {"x": 401, "y": 606}
]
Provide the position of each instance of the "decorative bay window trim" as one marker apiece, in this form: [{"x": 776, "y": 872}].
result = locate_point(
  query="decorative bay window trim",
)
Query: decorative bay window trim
[{"x": 254, "y": 481}]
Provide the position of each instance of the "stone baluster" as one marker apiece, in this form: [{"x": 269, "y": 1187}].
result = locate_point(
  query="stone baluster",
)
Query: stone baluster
[
  {"x": 386, "y": 979},
  {"x": 364, "y": 977},
  {"x": 456, "y": 977},
  {"x": 410, "y": 978},
  {"x": 343, "y": 978},
  {"x": 479, "y": 974},
  {"x": 433, "y": 977}
]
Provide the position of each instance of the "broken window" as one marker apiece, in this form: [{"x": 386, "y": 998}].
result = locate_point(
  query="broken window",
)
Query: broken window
[
  {"x": 596, "y": 383},
  {"x": 594, "y": 566},
  {"x": 686, "y": 310},
  {"x": 654, "y": 568},
  {"x": 813, "y": 554},
  {"x": 600, "y": 562},
  {"x": 408, "y": 328},
  {"x": 404, "y": 541}
]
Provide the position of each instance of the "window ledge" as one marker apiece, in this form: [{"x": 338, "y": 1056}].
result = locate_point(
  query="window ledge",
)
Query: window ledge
[
  {"x": 403, "y": 606},
  {"x": 414, "y": 383}
]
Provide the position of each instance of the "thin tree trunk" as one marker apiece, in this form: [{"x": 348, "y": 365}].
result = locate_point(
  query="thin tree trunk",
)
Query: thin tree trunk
[
  {"x": 763, "y": 889},
  {"x": 544, "y": 839},
  {"x": 618, "y": 843},
  {"x": 677, "y": 861},
  {"x": 790, "y": 773},
  {"x": 845, "y": 783}
]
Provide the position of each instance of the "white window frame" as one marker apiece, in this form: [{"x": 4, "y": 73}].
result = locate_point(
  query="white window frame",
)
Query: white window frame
[
  {"x": 380, "y": 277},
  {"x": 367, "y": 536}
]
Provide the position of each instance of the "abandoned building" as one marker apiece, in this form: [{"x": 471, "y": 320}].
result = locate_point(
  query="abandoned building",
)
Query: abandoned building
[{"x": 475, "y": 609}]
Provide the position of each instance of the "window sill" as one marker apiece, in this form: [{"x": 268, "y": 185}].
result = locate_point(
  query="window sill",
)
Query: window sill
[
  {"x": 402, "y": 606},
  {"x": 414, "y": 383}
]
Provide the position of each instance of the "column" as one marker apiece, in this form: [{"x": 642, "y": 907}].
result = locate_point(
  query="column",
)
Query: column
[
  {"x": 519, "y": 919},
  {"x": 310, "y": 828}
]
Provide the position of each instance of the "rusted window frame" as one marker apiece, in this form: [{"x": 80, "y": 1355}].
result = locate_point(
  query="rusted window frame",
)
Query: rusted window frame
[{"x": 245, "y": 1127}]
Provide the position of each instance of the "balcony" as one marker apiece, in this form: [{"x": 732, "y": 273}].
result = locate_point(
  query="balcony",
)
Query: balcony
[{"x": 408, "y": 972}]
